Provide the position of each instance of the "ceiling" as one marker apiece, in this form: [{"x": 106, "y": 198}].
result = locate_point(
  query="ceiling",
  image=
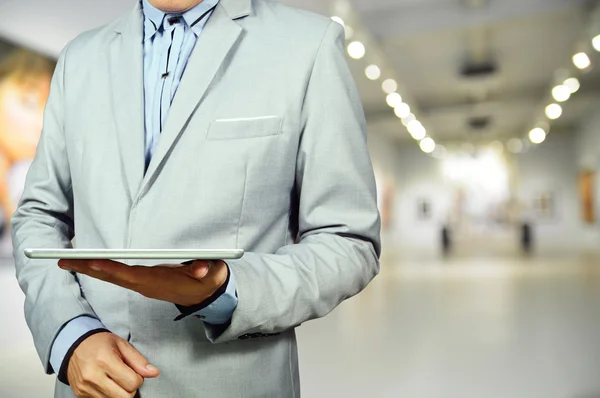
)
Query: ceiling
[
  {"x": 423, "y": 43},
  {"x": 429, "y": 42}
]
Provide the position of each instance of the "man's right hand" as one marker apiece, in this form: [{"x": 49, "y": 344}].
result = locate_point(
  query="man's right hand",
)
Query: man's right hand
[{"x": 107, "y": 366}]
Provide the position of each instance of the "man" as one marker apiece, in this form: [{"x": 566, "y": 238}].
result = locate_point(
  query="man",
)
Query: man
[{"x": 196, "y": 124}]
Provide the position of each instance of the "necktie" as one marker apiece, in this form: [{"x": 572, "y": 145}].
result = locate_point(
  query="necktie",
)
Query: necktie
[{"x": 174, "y": 30}]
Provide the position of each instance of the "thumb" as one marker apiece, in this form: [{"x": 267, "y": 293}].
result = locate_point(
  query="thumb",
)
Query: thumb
[
  {"x": 137, "y": 361},
  {"x": 199, "y": 269}
]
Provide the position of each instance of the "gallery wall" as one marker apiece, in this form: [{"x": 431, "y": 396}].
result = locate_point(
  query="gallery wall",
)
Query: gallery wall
[
  {"x": 551, "y": 170},
  {"x": 587, "y": 143}
]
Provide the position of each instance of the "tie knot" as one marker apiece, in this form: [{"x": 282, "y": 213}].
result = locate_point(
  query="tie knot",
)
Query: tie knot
[{"x": 172, "y": 21}]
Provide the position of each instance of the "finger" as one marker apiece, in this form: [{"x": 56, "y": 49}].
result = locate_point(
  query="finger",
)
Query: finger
[
  {"x": 137, "y": 361},
  {"x": 217, "y": 274},
  {"x": 123, "y": 375},
  {"x": 108, "y": 271},
  {"x": 72, "y": 265},
  {"x": 99, "y": 269},
  {"x": 199, "y": 269},
  {"x": 110, "y": 389},
  {"x": 88, "y": 391}
]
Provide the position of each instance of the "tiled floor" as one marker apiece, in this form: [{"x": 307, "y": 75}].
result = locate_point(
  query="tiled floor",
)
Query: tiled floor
[{"x": 501, "y": 327}]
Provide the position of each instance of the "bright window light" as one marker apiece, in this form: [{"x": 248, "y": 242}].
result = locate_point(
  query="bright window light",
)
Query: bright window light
[{"x": 486, "y": 173}]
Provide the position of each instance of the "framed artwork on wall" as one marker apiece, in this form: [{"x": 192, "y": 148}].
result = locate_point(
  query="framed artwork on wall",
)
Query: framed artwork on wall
[
  {"x": 24, "y": 88},
  {"x": 586, "y": 196},
  {"x": 544, "y": 205}
]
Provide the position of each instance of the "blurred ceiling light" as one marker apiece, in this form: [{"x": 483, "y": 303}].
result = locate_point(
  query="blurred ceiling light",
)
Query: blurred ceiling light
[
  {"x": 402, "y": 110},
  {"x": 427, "y": 145},
  {"x": 440, "y": 152},
  {"x": 389, "y": 86},
  {"x": 414, "y": 124},
  {"x": 356, "y": 50},
  {"x": 394, "y": 99},
  {"x": 373, "y": 72},
  {"x": 572, "y": 84},
  {"x": 416, "y": 130},
  {"x": 406, "y": 120},
  {"x": 581, "y": 60},
  {"x": 419, "y": 134},
  {"x": 537, "y": 135},
  {"x": 468, "y": 148},
  {"x": 498, "y": 146},
  {"x": 349, "y": 32},
  {"x": 515, "y": 145},
  {"x": 338, "y": 20},
  {"x": 554, "y": 111},
  {"x": 596, "y": 43},
  {"x": 561, "y": 93}
]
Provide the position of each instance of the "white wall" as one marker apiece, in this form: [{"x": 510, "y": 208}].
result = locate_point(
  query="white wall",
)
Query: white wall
[
  {"x": 587, "y": 146},
  {"x": 416, "y": 176},
  {"x": 588, "y": 142},
  {"x": 553, "y": 167}
]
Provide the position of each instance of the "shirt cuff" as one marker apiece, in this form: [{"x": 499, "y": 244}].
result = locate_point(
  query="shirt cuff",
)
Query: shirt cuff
[
  {"x": 217, "y": 309},
  {"x": 221, "y": 310},
  {"x": 70, "y": 333}
]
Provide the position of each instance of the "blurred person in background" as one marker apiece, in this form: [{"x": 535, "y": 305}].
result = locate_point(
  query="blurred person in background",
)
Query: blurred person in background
[
  {"x": 196, "y": 124},
  {"x": 24, "y": 87}
]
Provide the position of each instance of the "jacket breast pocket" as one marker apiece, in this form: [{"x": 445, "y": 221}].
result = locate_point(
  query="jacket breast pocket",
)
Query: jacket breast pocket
[{"x": 231, "y": 129}]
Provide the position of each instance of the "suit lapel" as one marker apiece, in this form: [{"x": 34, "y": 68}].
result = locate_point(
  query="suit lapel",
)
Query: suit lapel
[
  {"x": 209, "y": 55},
  {"x": 126, "y": 69}
]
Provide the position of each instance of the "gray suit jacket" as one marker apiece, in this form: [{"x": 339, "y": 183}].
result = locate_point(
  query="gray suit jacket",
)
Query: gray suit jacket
[{"x": 264, "y": 149}]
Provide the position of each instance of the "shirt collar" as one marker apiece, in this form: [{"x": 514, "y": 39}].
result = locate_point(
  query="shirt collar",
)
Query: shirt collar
[{"x": 153, "y": 17}]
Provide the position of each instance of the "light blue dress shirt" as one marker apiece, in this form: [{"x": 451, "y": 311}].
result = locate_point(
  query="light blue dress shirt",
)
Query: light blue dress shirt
[{"x": 168, "y": 43}]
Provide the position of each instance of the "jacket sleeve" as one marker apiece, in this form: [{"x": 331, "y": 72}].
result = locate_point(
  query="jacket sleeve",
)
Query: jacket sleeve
[
  {"x": 44, "y": 219},
  {"x": 338, "y": 221}
]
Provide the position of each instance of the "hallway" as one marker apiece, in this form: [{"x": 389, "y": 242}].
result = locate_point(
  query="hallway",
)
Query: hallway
[
  {"x": 502, "y": 327},
  {"x": 466, "y": 328}
]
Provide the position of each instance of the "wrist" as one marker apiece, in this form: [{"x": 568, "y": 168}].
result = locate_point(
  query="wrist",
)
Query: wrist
[
  {"x": 220, "y": 283},
  {"x": 64, "y": 368},
  {"x": 215, "y": 282}
]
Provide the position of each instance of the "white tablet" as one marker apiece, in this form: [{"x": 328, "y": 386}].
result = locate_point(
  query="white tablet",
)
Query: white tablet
[{"x": 133, "y": 254}]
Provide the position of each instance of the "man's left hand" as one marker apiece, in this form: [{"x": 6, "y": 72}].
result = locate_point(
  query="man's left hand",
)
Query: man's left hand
[{"x": 185, "y": 285}]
